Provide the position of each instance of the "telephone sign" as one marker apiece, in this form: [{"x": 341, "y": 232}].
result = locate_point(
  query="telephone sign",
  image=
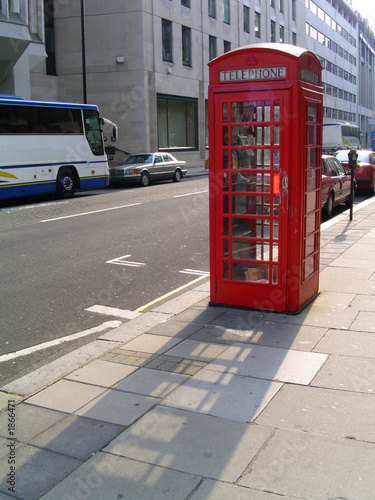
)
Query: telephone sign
[{"x": 265, "y": 134}]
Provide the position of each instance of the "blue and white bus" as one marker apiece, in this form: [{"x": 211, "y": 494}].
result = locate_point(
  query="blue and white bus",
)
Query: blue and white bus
[
  {"x": 340, "y": 135},
  {"x": 50, "y": 147}
]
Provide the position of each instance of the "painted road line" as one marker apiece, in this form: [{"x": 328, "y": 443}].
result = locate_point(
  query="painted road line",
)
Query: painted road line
[
  {"x": 90, "y": 213},
  {"x": 114, "y": 311},
  {"x": 68, "y": 338},
  {"x": 121, "y": 261},
  {"x": 36, "y": 205},
  {"x": 142, "y": 308},
  {"x": 195, "y": 271},
  {"x": 190, "y": 194}
]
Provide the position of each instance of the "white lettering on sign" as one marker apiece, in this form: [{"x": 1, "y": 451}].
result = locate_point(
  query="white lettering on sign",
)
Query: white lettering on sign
[{"x": 253, "y": 74}]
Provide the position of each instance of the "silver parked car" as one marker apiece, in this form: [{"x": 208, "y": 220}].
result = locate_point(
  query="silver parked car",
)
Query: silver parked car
[{"x": 147, "y": 167}]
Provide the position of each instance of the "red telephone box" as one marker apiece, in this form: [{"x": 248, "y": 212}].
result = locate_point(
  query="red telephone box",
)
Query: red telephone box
[{"x": 265, "y": 104}]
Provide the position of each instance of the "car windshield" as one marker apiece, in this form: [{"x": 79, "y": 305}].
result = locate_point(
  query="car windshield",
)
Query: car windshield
[
  {"x": 342, "y": 155},
  {"x": 138, "y": 159},
  {"x": 362, "y": 156}
]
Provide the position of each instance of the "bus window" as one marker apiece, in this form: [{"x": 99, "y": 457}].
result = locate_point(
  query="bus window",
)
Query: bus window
[
  {"x": 39, "y": 120},
  {"x": 93, "y": 131}
]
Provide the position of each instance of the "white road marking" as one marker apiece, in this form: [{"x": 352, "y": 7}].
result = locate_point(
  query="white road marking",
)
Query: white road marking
[
  {"x": 121, "y": 261},
  {"x": 51, "y": 343},
  {"x": 113, "y": 311},
  {"x": 36, "y": 205},
  {"x": 195, "y": 271},
  {"x": 90, "y": 213},
  {"x": 190, "y": 194}
]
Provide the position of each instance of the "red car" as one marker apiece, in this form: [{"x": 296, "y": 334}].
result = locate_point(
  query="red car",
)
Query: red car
[
  {"x": 365, "y": 170},
  {"x": 335, "y": 184}
]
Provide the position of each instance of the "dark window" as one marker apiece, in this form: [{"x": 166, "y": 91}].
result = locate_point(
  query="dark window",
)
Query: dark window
[
  {"x": 212, "y": 47},
  {"x": 212, "y": 8},
  {"x": 49, "y": 32},
  {"x": 186, "y": 3},
  {"x": 246, "y": 19},
  {"x": 166, "y": 27},
  {"x": 294, "y": 16},
  {"x": 177, "y": 122},
  {"x": 227, "y": 46},
  {"x": 186, "y": 46},
  {"x": 226, "y": 12},
  {"x": 257, "y": 25},
  {"x": 273, "y": 32},
  {"x": 282, "y": 34}
]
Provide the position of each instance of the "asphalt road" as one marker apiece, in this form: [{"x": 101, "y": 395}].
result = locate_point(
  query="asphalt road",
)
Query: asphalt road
[{"x": 119, "y": 248}]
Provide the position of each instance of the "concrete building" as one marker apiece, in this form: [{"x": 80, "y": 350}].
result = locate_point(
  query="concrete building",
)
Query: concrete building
[
  {"x": 146, "y": 60},
  {"x": 345, "y": 45},
  {"x": 366, "y": 82},
  {"x": 331, "y": 32},
  {"x": 22, "y": 44}
]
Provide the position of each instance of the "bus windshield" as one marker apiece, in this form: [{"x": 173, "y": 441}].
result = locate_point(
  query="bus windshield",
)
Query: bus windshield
[{"x": 93, "y": 131}]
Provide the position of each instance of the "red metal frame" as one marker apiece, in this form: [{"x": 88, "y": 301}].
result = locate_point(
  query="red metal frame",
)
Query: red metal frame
[{"x": 265, "y": 116}]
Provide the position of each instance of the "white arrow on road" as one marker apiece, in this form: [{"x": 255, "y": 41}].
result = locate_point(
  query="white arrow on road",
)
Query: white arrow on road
[
  {"x": 121, "y": 261},
  {"x": 195, "y": 271}
]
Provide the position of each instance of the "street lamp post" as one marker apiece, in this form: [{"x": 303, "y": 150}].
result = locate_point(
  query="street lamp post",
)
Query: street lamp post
[{"x": 83, "y": 51}]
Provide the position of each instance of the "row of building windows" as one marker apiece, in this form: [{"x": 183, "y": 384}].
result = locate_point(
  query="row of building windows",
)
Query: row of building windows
[
  {"x": 167, "y": 49},
  {"x": 339, "y": 114},
  {"x": 246, "y": 21},
  {"x": 343, "y": 13},
  {"x": 367, "y": 53},
  {"x": 226, "y": 10},
  {"x": 281, "y": 6},
  {"x": 340, "y": 93},
  {"x": 330, "y": 44},
  {"x": 246, "y": 12},
  {"x": 312, "y": 6},
  {"x": 337, "y": 71}
]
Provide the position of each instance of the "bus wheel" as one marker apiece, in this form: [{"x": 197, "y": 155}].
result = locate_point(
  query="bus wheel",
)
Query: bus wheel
[{"x": 66, "y": 183}]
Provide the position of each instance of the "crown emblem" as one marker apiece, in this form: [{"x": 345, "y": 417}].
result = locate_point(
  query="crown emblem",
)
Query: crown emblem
[{"x": 251, "y": 60}]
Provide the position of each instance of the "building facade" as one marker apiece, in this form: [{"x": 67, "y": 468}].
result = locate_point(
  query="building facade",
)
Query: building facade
[
  {"x": 331, "y": 32},
  {"x": 366, "y": 81},
  {"x": 146, "y": 60},
  {"x": 22, "y": 44},
  {"x": 345, "y": 44}
]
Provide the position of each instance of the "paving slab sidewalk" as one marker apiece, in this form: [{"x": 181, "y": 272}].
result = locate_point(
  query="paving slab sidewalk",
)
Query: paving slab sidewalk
[{"x": 192, "y": 401}]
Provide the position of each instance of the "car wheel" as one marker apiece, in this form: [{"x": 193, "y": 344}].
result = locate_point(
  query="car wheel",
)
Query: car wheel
[
  {"x": 66, "y": 183},
  {"x": 145, "y": 179},
  {"x": 328, "y": 207},
  {"x": 177, "y": 176}
]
